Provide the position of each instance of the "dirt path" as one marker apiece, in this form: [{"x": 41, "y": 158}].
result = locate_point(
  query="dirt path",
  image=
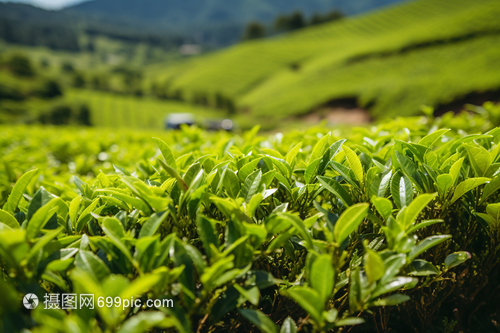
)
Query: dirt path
[{"x": 339, "y": 115}]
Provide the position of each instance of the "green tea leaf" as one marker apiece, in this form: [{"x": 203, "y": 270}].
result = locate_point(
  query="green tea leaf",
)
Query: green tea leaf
[
  {"x": 345, "y": 172},
  {"x": 421, "y": 267},
  {"x": 410, "y": 169},
  {"x": 144, "y": 322},
  {"x": 292, "y": 154},
  {"x": 455, "y": 169},
  {"x": 394, "y": 285},
  {"x": 416, "y": 207},
  {"x": 355, "y": 290},
  {"x": 167, "y": 153},
  {"x": 44, "y": 240},
  {"x": 18, "y": 190},
  {"x": 421, "y": 225},
  {"x": 40, "y": 219},
  {"x": 172, "y": 172},
  {"x": 312, "y": 171},
  {"x": 479, "y": 158},
  {"x": 288, "y": 326},
  {"x": 74, "y": 206},
  {"x": 263, "y": 323},
  {"x": 349, "y": 322},
  {"x": 430, "y": 139},
  {"x": 78, "y": 224},
  {"x": 252, "y": 295},
  {"x": 444, "y": 183},
  {"x": 231, "y": 183},
  {"x": 426, "y": 244},
  {"x": 354, "y": 163},
  {"x": 349, "y": 221},
  {"x": 380, "y": 183},
  {"x": 91, "y": 264},
  {"x": 251, "y": 185},
  {"x": 322, "y": 276},
  {"x": 9, "y": 220},
  {"x": 392, "y": 300},
  {"x": 141, "y": 285},
  {"x": 374, "y": 265},
  {"x": 383, "y": 206},
  {"x": 298, "y": 224},
  {"x": 456, "y": 259},
  {"x": 114, "y": 230},
  {"x": 490, "y": 188},
  {"x": 319, "y": 149},
  {"x": 207, "y": 233},
  {"x": 133, "y": 202},
  {"x": 466, "y": 186},
  {"x": 401, "y": 190},
  {"x": 334, "y": 187},
  {"x": 247, "y": 169},
  {"x": 392, "y": 266},
  {"x": 41, "y": 198},
  {"x": 308, "y": 299},
  {"x": 152, "y": 224}
]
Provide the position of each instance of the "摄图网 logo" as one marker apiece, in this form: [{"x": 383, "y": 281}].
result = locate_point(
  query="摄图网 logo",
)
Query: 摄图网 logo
[{"x": 30, "y": 301}]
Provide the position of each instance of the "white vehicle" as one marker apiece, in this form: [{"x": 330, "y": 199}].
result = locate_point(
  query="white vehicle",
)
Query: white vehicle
[{"x": 175, "y": 120}]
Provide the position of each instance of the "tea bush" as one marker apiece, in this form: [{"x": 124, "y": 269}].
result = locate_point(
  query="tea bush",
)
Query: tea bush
[{"x": 393, "y": 227}]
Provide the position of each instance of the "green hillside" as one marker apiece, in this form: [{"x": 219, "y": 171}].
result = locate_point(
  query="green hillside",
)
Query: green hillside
[
  {"x": 111, "y": 110},
  {"x": 422, "y": 52},
  {"x": 389, "y": 62},
  {"x": 191, "y": 16},
  {"x": 169, "y": 24}
]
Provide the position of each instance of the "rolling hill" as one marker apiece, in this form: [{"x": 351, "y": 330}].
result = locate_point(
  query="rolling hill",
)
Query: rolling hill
[
  {"x": 205, "y": 12},
  {"x": 389, "y": 61},
  {"x": 216, "y": 22}
]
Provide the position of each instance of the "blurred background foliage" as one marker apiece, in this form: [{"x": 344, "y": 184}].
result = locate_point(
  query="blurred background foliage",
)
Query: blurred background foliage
[{"x": 279, "y": 64}]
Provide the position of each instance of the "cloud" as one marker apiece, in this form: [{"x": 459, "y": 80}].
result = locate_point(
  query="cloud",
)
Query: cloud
[{"x": 48, "y": 4}]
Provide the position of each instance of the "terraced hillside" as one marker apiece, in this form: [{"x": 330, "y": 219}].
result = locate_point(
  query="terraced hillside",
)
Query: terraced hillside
[
  {"x": 111, "y": 110},
  {"x": 422, "y": 52}
]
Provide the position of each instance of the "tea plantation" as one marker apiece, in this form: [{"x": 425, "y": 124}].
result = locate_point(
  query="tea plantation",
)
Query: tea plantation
[
  {"x": 390, "y": 61},
  {"x": 394, "y": 227}
]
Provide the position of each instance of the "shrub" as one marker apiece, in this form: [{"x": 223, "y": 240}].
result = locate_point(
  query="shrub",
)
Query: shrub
[
  {"x": 49, "y": 89},
  {"x": 254, "y": 30},
  {"x": 397, "y": 227},
  {"x": 59, "y": 115},
  {"x": 21, "y": 65},
  {"x": 83, "y": 116},
  {"x": 66, "y": 115},
  {"x": 11, "y": 93},
  {"x": 68, "y": 67},
  {"x": 78, "y": 80}
]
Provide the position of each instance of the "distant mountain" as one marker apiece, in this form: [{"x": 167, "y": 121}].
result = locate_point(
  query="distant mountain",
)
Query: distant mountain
[
  {"x": 60, "y": 30},
  {"x": 214, "y": 23},
  {"x": 32, "y": 14},
  {"x": 206, "y": 18},
  {"x": 33, "y": 26},
  {"x": 209, "y": 11}
]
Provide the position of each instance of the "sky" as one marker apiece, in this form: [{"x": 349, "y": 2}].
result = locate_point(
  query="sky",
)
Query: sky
[{"x": 47, "y": 4}]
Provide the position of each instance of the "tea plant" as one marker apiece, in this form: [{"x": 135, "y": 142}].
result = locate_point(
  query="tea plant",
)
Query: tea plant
[{"x": 394, "y": 226}]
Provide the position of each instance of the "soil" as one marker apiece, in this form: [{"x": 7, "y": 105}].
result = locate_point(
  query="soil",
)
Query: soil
[{"x": 340, "y": 115}]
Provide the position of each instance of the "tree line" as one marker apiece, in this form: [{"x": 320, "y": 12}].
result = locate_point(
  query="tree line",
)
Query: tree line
[
  {"x": 286, "y": 23},
  {"x": 51, "y": 36}
]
